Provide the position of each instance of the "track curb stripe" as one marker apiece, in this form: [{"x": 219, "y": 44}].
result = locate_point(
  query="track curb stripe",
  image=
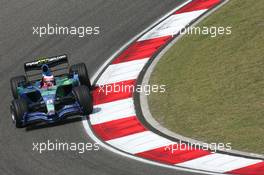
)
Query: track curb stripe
[
  {"x": 118, "y": 128},
  {"x": 198, "y": 5},
  {"x": 166, "y": 155},
  {"x": 111, "y": 92},
  {"x": 142, "y": 49},
  {"x": 256, "y": 169},
  {"x": 112, "y": 111}
]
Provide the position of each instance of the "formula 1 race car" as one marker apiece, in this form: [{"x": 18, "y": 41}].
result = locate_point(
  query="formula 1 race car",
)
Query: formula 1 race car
[{"x": 50, "y": 90}]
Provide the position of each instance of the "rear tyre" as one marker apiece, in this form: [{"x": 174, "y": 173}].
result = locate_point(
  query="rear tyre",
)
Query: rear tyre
[
  {"x": 81, "y": 70},
  {"x": 14, "y": 83},
  {"x": 18, "y": 108},
  {"x": 84, "y": 98}
]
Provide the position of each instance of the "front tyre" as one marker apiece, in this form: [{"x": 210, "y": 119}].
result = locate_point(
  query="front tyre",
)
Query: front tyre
[
  {"x": 18, "y": 109},
  {"x": 84, "y": 98},
  {"x": 81, "y": 70}
]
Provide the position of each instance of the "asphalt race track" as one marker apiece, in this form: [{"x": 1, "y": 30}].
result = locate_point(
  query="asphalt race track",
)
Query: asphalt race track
[{"x": 119, "y": 21}]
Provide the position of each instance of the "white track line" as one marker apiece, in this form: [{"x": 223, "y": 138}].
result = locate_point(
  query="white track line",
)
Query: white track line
[
  {"x": 173, "y": 25},
  {"x": 140, "y": 142},
  {"x": 112, "y": 111},
  {"x": 122, "y": 71}
]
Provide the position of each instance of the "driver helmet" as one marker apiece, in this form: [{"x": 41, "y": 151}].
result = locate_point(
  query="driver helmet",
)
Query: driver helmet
[{"x": 48, "y": 79}]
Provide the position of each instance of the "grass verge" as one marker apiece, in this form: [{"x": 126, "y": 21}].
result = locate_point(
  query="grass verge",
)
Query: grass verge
[{"x": 215, "y": 86}]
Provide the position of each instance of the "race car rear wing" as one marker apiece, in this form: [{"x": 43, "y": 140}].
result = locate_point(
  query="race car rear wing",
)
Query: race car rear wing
[{"x": 58, "y": 65}]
